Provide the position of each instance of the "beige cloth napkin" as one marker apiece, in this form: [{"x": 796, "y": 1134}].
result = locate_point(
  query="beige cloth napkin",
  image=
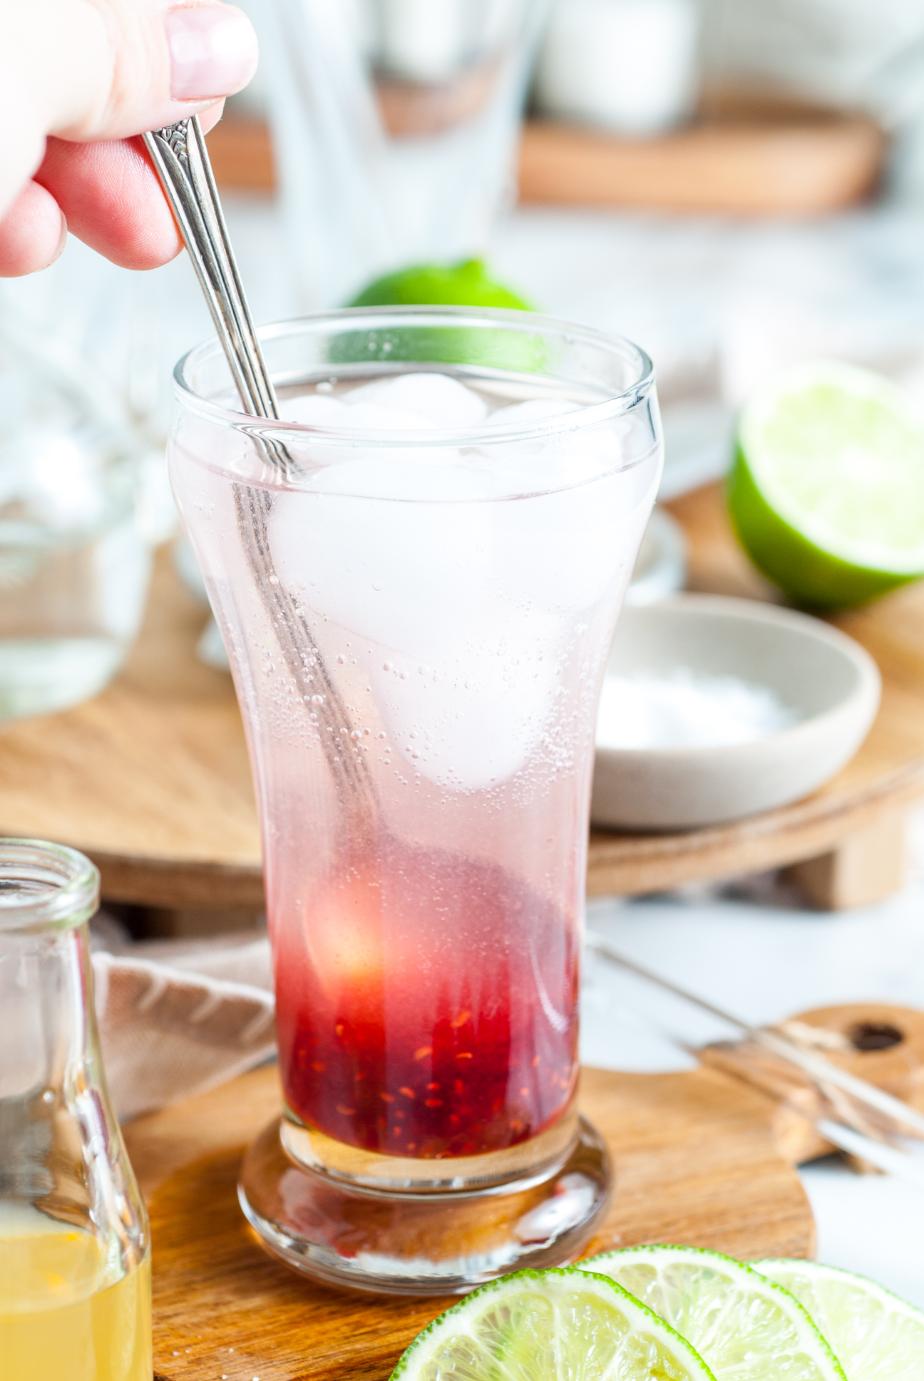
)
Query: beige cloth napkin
[{"x": 176, "y": 1019}]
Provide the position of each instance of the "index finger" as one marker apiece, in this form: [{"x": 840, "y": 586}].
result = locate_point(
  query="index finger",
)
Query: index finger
[{"x": 112, "y": 199}]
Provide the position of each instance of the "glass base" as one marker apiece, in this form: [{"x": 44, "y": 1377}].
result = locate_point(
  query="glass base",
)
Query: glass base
[{"x": 406, "y": 1242}]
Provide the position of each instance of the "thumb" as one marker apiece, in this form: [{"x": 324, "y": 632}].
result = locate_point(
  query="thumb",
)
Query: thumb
[{"x": 125, "y": 66}]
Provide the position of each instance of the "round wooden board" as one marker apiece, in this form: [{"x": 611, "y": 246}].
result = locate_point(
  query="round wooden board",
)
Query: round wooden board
[
  {"x": 695, "y": 1159},
  {"x": 151, "y": 777}
]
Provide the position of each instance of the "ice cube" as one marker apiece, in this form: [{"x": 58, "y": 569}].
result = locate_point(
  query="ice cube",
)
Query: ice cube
[
  {"x": 437, "y": 399},
  {"x": 472, "y": 717},
  {"x": 315, "y": 410},
  {"x": 564, "y": 550},
  {"x": 406, "y": 558},
  {"x": 576, "y": 512},
  {"x": 569, "y": 455},
  {"x": 339, "y": 414},
  {"x": 401, "y": 480},
  {"x": 389, "y": 549},
  {"x": 371, "y": 416},
  {"x": 531, "y": 412},
  {"x": 335, "y": 414}
]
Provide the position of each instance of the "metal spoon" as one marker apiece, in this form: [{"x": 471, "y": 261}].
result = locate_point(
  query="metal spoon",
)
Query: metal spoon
[
  {"x": 180, "y": 157},
  {"x": 182, "y": 163},
  {"x": 889, "y": 1133}
]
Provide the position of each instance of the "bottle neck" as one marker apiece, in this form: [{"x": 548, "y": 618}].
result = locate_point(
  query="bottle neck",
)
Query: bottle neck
[
  {"x": 46, "y": 995},
  {"x": 50, "y": 1082},
  {"x": 63, "y": 1167}
]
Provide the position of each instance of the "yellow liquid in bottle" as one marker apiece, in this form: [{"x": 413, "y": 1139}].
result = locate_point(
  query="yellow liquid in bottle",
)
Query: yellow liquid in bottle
[{"x": 63, "y": 1318}]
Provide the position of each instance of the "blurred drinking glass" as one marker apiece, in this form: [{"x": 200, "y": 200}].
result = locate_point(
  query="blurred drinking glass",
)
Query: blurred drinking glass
[
  {"x": 395, "y": 128},
  {"x": 629, "y": 66},
  {"x": 74, "y": 563}
]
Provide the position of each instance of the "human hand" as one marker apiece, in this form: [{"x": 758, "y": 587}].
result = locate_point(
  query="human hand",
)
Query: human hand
[{"x": 79, "y": 79}]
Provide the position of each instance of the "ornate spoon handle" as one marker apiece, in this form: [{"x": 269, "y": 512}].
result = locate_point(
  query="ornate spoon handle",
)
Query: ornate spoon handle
[
  {"x": 180, "y": 157},
  {"x": 182, "y": 163}
]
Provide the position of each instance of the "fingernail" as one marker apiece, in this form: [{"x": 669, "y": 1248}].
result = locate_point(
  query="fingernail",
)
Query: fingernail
[{"x": 213, "y": 51}]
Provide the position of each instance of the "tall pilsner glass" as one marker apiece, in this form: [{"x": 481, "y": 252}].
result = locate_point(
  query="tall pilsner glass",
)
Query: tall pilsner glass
[
  {"x": 382, "y": 111},
  {"x": 418, "y": 586}
]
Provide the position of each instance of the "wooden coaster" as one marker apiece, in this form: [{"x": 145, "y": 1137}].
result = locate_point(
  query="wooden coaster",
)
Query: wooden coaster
[
  {"x": 695, "y": 1161},
  {"x": 705, "y": 1157}
]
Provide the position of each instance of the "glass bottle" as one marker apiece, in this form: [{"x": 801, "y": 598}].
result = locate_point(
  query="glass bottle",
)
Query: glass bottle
[
  {"x": 75, "y": 1285},
  {"x": 74, "y": 553}
]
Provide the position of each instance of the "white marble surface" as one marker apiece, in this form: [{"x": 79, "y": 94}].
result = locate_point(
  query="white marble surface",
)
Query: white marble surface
[
  {"x": 756, "y": 953},
  {"x": 716, "y": 304}
]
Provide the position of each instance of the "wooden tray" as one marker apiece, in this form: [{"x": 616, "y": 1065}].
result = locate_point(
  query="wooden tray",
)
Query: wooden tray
[
  {"x": 151, "y": 777},
  {"x": 699, "y": 1157},
  {"x": 740, "y": 158}
]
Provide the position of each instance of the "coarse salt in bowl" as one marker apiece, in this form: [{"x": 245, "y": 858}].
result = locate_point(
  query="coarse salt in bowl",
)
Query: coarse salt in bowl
[{"x": 714, "y": 709}]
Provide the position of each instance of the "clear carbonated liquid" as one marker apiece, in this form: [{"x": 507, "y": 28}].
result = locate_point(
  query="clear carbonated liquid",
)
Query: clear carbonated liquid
[{"x": 70, "y": 601}]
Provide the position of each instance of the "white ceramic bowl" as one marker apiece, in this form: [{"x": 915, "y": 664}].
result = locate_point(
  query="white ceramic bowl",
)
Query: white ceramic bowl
[{"x": 827, "y": 681}]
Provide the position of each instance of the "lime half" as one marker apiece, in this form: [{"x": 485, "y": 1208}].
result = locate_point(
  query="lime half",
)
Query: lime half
[
  {"x": 744, "y": 1327},
  {"x": 550, "y": 1326},
  {"x": 827, "y": 488},
  {"x": 877, "y": 1336}
]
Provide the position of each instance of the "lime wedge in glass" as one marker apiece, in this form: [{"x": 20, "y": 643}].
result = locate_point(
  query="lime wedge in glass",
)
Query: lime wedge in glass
[
  {"x": 826, "y": 491},
  {"x": 877, "y": 1336},
  {"x": 550, "y": 1326},
  {"x": 743, "y": 1326}
]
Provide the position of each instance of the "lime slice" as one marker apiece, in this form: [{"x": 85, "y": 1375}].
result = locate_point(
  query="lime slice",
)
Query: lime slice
[
  {"x": 550, "y": 1326},
  {"x": 877, "y": 1336},
  {"x": 827, "y": 488},
  {"x": 467, "y": 284},
  {"x": 742, "y": 1325}
]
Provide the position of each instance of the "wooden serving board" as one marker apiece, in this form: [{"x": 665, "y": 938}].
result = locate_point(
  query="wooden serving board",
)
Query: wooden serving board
[
  {"x": 741, "y": 157},
  {"x": 699, "y": 1157},
  {"x": 151, "y": 778}
]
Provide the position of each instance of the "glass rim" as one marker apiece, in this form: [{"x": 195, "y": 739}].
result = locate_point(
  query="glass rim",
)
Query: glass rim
[
  {"x": 66, "y": 892},
  {"x": 615, "y": 404}
]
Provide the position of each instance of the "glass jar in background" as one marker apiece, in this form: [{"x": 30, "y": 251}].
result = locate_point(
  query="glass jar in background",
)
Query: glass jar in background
[
  {"x": 395, "y": 125},
  {"x": 74, "y": 561},
  {"x": 631, "y": 67},
  {"x": 75, "y": 1286}
]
